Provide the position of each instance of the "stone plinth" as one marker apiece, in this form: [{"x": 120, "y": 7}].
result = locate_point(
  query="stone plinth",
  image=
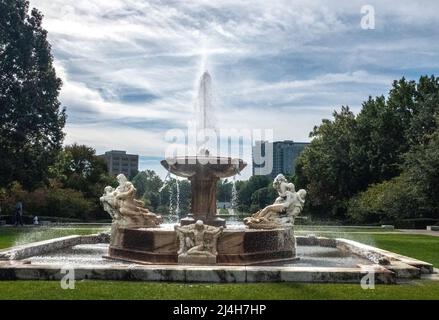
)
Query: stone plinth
[
  {"x": 235, "y": 246},
  {"x": 192, "y": 259}
]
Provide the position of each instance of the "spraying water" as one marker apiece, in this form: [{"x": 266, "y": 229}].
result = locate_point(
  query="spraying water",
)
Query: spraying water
[
  {"x": 204, "y": 109},
  {"x": 234, "y": 197},
  {"x": 177, "y": 206},
  {"x": 171, "y": 201},
  {"x": 165, "y": 182},
  {"x": 173, "y": 213}
]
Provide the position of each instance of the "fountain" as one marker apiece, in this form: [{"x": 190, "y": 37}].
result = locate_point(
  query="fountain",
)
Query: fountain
[
  {"x": 141, "y": 247},
  {"x": 203, "y": 170},
  {"x": 266, "y": 237}
]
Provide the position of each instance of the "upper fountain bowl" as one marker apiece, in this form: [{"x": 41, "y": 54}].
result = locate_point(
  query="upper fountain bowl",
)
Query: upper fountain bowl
[{"x": 201, "y": 165}]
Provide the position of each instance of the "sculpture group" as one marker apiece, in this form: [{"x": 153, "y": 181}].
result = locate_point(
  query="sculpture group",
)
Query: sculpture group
[
  {"x": 282, "y": 213},
  {"x": 124, "y": 209},
  {"x": 197, "y": 242}
]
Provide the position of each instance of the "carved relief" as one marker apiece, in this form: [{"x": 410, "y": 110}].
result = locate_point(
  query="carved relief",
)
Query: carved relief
[{"x": 198, "y": 243}]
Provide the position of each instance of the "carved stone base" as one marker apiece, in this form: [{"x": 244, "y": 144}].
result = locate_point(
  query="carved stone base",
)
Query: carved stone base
[
  {"x": 192, "y": 259},
  {"x": 235, "y": 246}
]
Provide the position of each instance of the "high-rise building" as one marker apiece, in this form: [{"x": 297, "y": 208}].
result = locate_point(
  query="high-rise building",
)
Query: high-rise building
[
  {"x": 121, "y": 162},
  {"x": 283, "y": 159}
]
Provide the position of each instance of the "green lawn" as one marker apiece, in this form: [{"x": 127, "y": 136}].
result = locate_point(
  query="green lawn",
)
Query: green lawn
[
  {"x": 421, "y": 247},
  {"x": 175, "y": 291},
  {"x": 417, "y": 246}
]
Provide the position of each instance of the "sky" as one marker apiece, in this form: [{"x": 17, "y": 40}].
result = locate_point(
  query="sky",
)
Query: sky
[{"x": 130, "y": 67}]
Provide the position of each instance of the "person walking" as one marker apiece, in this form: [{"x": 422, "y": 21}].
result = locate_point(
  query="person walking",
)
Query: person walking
[{"x": 18, "y": 213}]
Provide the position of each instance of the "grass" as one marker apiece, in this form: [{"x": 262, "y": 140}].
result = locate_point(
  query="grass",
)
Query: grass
[
  {"x": 173, "y": 291},
  {"x": 422, "y": 247},
  {"x": 340, "y": 229}
]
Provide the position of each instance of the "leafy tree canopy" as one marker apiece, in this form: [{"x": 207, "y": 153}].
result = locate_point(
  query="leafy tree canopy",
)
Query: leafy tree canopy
[{"x": 31, "y": 117}]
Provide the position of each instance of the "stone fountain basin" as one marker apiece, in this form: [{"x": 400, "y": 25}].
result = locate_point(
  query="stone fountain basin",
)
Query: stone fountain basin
[
  {"x": 189, "y": 166},
  {"x": 321, "y": 260}
]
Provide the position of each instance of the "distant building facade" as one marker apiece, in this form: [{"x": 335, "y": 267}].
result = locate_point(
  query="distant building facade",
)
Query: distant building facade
[
  {"x": 284, "y": 157},
  {"x": 121, "y": 162}
]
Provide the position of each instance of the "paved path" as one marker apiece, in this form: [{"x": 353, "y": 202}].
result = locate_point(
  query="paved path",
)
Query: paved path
[{"x": 423, "y": 232}]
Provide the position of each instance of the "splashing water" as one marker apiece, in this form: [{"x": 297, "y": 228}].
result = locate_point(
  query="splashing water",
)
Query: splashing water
[
  {"x": 174, "y": 207},
  {"x": 177, "y": 206},
  {"x": 204, "y": 110},
  {"x": 171, "y": 201},
  {"x": 165, "y": 181},
  {"x": 234, "y": 197}
]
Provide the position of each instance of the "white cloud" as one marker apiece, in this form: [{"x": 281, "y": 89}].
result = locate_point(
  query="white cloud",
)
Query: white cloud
[{"x": 276, "y": 64}]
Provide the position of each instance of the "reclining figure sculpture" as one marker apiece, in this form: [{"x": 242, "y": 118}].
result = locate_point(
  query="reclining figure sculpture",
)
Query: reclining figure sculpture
[
  {"x": 283, "y": 211},
  {"x": 124, "y": 209}
]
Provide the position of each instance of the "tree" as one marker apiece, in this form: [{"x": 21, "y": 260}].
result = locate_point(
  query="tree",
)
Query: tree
[
  {"x": 247, "y": 188},
  {"x": 350, "y": 153},
  {"x": 81, "y": 169},
  {"x": 148, "y": 184},
  {"x": 78, "y": 168},
  {"x": 224, "y": 190},
  {"x": 31, "y": 117},
  {"x": 262, "y": 197},
  {"x": 147, "y": 181},
  {"x": 378, "y": 143},
  {"x": 325, "y": 169},
  {"x": 426, "y": 111},
  {"x": 422, "y": 166}
]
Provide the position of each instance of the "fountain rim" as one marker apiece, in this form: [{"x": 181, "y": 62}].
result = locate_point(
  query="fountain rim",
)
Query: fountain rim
[{"x": 180, "y": 165}]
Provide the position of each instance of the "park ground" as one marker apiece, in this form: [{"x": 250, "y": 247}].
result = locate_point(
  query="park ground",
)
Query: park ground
[{"x": 419, "y": 246}]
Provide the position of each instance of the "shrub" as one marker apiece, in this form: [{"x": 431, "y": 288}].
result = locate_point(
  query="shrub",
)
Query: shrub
[
  {"x": 417, "y": 223},
  {"x": 389, "y": 201},
  {"x": 68, "y": 203},
  {"x": 52, "y": 201}
]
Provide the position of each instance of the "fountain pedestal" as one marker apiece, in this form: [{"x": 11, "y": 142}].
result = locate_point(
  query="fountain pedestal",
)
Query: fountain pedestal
[
  {"x": 204, "y": 172},
  {"x": 203, "y": 202}
]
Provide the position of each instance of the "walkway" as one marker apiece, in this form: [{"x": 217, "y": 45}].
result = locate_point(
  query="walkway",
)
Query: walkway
[{"x": 422, "y": 232}]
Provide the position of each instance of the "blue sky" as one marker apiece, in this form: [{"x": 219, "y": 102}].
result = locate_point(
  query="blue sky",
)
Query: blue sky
[{"x": 130, "y": 67}]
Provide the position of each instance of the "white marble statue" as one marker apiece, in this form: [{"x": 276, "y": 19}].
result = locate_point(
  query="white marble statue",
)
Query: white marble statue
[
  {"x": 288, "y": 205},
  {"x": 198, "y": 242},
  {"x": 124, "y": 209}
]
